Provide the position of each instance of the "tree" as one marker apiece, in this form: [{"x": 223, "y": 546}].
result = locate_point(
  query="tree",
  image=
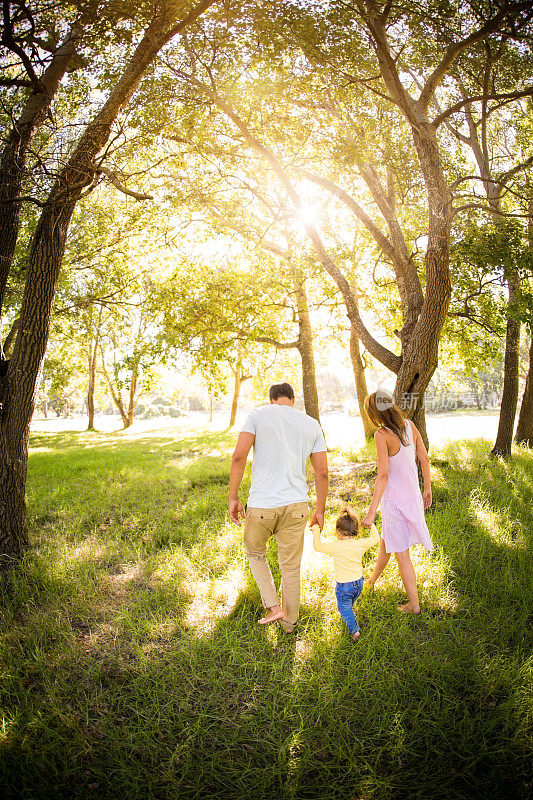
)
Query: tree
[
  {"x": 407, "y": 97},
  {"x": 524, "y": 429},
  {"x": 45, "y": 253}
]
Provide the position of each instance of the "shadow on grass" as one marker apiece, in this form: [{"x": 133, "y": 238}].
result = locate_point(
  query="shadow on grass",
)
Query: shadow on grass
[{"x": 133, "y": 665}]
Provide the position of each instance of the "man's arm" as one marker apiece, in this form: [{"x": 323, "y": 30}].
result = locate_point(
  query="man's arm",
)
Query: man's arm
[
  {"x": 319, "y": 462},
  {"x": 238, "y": 464}
]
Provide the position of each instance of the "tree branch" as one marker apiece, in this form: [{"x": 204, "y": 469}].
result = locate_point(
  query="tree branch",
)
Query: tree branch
[
  {"x": 380, "y": 238},
  {"x": 8, "y": 40},
  {"x": 19, "y": 83},
  {"x": 383, "y": 354},
  {"x": 496, "y": 212},
  {"x": 479, "y": 97},
  {"x": 457, "y": 48},
  {"x": 112, "y": 177}
]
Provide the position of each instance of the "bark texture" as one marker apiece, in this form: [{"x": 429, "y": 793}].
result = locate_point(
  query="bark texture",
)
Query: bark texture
[
  {"x": 511, "y": 378},
  {"x": 305, "y": 348},
  {"x": 524, "y": 429},
  {"x": 361, "y": 389}
]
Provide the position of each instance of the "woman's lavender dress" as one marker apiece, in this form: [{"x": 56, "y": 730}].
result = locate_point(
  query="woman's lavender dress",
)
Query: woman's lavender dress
[{"x": 402, "y": 507}]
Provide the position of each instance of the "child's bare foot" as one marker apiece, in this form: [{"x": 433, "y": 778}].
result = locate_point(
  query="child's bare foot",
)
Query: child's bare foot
[
  {"x": 409, "y": 609},
  {"x": 355, "y": 636},
  {"x": 273, "y": 615}
]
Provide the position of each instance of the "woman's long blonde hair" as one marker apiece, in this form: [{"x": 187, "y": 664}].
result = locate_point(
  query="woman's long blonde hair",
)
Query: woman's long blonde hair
[{"x": 384, "y": 413}]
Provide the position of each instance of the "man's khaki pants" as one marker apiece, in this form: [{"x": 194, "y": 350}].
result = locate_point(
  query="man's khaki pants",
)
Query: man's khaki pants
[{"x": 287, "y": 524}]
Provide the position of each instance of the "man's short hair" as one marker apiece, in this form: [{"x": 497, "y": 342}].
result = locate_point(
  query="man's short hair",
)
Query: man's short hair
[{"x": 281, "y": 390}]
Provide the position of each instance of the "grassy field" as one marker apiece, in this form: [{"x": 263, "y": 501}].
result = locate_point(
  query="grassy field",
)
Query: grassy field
[{"x": 132, "y": 665}]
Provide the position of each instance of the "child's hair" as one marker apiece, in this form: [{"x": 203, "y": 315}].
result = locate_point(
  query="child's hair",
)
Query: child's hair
[
  {"x": 384, "y": 412},
  {"x": 347, "y": 523}
]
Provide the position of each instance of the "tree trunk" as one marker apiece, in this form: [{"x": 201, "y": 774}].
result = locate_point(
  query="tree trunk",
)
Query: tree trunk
[
  {"x": 14, "y": 155},
  {"x": 361, "y": 389},
  {"x": 524, "y": 430},
  {"x": 511, "y": 379},
  {"x": 211, "y": 405},
  {"x": 18, "y": 387},
  {"x": 10, "y": 338},
  {"x": 93, "y": 354},
  {"x": 133, "y": 389},
  {"x": 236, "y": 393},
  {"x": 305, "y": 348},
  {"x": 90, "y": 392}
]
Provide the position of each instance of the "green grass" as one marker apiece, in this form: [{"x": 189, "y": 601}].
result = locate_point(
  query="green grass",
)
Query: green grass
[{"x": 132, "y": 665}]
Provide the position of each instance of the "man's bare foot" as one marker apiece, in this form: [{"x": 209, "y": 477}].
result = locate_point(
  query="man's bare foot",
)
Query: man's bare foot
[
  {"x": 273, "y": 615},
  {"x": 355, "y": 636},
  {"x": 289, "y": 627},
  {"x": 409, "y": 609}
]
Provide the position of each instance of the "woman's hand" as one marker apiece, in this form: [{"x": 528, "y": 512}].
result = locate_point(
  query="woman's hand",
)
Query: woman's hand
[
  {"x": 368, "y": 521},
  {"x": 427, "y": 498}
]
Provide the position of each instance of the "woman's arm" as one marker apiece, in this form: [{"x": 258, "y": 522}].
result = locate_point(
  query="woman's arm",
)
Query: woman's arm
[
  {"x": 381, "y": 480},
  {"x": 422, "y": 455}
]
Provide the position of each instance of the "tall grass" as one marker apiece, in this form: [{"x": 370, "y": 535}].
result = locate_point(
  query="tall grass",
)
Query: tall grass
[{"x": 132, "y": 665}]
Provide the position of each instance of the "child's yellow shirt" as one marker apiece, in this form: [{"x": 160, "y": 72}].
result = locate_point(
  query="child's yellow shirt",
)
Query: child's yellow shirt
[{"x": 347, "y": 553}]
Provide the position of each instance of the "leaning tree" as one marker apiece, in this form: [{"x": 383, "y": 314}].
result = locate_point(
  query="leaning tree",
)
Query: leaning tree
[{"x": 78, "y": 163}]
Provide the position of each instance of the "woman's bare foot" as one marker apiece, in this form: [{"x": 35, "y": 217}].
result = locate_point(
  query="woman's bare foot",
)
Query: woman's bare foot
[
  {"x": 355, "y": 636},
  {"x": 273, "y": 615},
  {"x": 409, "y": 609}
]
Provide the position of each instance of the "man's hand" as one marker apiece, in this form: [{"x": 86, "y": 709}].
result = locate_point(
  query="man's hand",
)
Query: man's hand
[
  {"x": 368, "y": 521},
  {"x": 317, "y": 519},
  {"x": 236, "y": 511},
  {"x": 427, "y": 498}
]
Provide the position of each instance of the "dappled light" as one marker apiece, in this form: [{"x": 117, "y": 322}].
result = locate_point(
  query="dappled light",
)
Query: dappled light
[
  {"x": 258, "y": 258},
  {"x": 174, "y": 608}
]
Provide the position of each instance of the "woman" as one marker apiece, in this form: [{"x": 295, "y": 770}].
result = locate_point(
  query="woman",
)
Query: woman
[{"x": 398, "y": 444}]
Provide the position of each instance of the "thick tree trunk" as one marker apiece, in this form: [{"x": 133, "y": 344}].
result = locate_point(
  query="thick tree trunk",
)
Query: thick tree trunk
[
  {"x": 511, "y": 379},
  {"x": 524, "y": 430},
  {"x": 305, "y": 348},
  {"x": 361, "y": 389},
  {"x": 17, "y": 392}
]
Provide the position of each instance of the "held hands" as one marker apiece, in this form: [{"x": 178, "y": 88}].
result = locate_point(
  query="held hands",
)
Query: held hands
[
  {"x": 236, "y": 511},
  {"x": 317, "y": 519},
  {"x": 427, "y": 498},
  {"x": 368, "y": 521}
]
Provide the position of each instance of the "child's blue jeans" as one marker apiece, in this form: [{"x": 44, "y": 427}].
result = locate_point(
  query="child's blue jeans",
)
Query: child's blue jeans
[{"x": 347, "y": 594}]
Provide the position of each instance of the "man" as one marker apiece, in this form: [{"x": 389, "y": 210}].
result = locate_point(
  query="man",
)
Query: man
[{"x": 283, "y": 439}]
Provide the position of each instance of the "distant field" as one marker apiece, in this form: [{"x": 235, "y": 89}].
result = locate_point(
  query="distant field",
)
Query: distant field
[
  {"x": 341, "y": 429},
  {"x": 132, "y": 666}
]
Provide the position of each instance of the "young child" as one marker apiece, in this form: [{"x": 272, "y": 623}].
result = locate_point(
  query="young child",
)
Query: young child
[
  {"x": 398, "y": 443},
  {"x": 347, "y": 553}
]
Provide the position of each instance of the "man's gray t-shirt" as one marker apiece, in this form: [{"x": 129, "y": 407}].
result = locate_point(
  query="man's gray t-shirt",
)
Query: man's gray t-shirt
[{"x": 284, "y": 439}]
